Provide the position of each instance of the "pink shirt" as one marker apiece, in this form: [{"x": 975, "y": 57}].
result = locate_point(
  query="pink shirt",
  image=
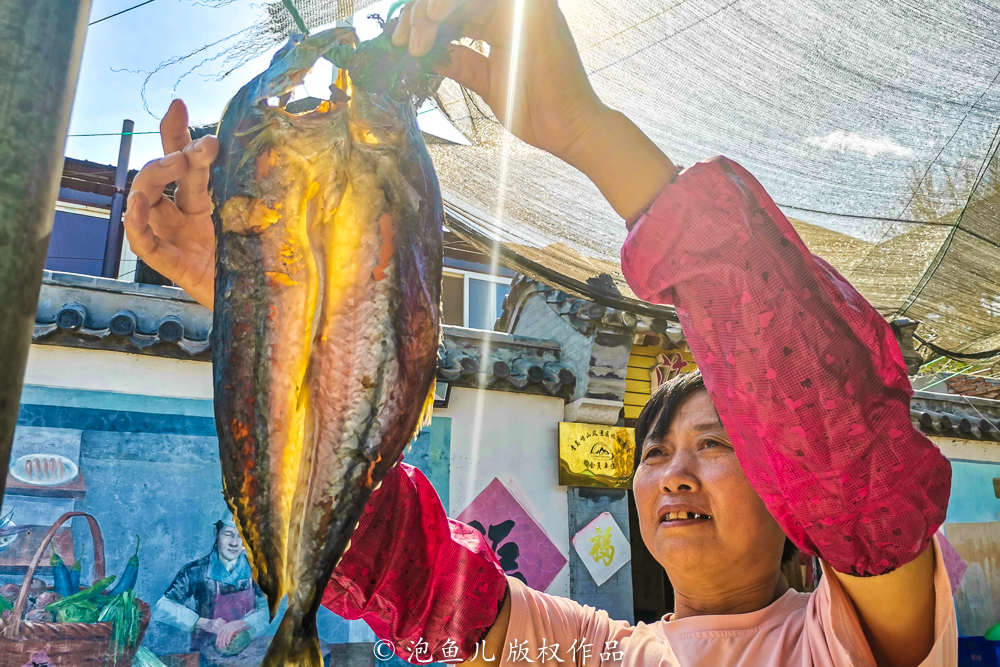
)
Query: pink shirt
[{"x": 817, "y": 629}]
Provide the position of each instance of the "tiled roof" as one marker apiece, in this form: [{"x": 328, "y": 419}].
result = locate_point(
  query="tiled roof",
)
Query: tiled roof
[
  {"x": 963, "y": 417},
  {"x": 99, "y": 313},
  {"x": 492, "y": 360}
]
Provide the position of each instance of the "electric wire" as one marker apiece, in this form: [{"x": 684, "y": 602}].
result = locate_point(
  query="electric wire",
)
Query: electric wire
[{"x": 111, "y": 16}]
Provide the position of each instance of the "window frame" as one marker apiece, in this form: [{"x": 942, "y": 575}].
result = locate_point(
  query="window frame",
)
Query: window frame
[{"x": 466, "y": 275}]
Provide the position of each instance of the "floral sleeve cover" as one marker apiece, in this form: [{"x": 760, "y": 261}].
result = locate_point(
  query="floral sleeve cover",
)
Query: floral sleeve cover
[{"x": 806, "y": 375}]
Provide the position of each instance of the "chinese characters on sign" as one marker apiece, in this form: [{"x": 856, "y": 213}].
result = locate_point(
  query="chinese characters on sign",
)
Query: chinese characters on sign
[
  {"x": 595, "y": 455},
  {"x": 667, "y": 366},
  {"x": 524, "y": 550},
  {"x": 603, "y": 547},
  {"x": 579, "y": 652}
]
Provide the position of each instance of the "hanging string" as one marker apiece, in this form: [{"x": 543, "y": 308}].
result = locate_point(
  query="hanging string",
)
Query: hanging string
[
  {"x": 295, "y": 16},
  {"x": 956, "y": 355}
]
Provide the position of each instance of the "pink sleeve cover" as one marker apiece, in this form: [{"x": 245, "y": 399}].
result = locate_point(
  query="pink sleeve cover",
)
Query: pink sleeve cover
[
  {"x": 428, "y": 584},
  {"x": 806, "y": 375}
]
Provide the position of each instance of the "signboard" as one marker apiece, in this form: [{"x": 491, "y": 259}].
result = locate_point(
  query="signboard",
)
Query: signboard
[
  {"x": 596, "y": 455},
  {"x": 603, "y": 547},
  {"x": 667, "y": 366},
  {"x": 522, "y": 547}
]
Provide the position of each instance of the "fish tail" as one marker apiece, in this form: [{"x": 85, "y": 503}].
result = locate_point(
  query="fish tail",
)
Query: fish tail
[{"x": 293, "y": 646}]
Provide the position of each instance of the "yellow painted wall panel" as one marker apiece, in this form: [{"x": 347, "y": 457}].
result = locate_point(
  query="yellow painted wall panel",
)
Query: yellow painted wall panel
[
  {"x": 645, "y": 351},
  {"x": 641, "y": 360},
  {"x": 632, "y": 411},
  {"x": 638, "y": 386},
  {"x": 636, "y": 398},
  {"x": 635, "y": 373}
]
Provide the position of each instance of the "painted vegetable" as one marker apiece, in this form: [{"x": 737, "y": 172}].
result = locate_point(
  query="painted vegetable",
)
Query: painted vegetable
[
  {"x": 9, "y": 592},
  {"x": 40, "y": 616},
  {"x": 123, "y": 613},
  {"x": 85, "y": 595},
  {"x": 37, "y": 587},
  {"x": 238, "y": 644},
  {"x": 327, "y": 297},
  {"x": 78, "y": 612},
  {"x": 47, "y": 598},
  {"x": 74, "y": 576},
  {"x": 131, "y": 574},
  {"x": 61, "y": 575}
]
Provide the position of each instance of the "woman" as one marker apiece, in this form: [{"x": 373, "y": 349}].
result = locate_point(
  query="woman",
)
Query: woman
[{"x": 802, "y": 427}]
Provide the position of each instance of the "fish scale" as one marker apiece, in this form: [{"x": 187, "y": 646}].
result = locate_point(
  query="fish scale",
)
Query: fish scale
[{"x": 327, "y": 309}]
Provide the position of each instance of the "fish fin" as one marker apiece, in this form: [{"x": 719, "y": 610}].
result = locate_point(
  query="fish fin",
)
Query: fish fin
[{"x": 426, "y": 413}]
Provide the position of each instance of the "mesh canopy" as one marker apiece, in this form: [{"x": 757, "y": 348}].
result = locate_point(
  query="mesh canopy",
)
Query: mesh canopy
[{"x": 873, "y": 126}]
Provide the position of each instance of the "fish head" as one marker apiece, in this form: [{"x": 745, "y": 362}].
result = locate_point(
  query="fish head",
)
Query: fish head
[{"x": 295, "y": 59}]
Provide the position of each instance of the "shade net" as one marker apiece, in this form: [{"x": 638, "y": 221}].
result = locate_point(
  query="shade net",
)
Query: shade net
[{"x": 874, "y": 126}]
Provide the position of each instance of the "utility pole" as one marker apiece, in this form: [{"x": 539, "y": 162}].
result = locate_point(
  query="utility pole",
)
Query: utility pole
[
  {"x": 116, "y": 233},
  {"x": 41, "y": 42}
]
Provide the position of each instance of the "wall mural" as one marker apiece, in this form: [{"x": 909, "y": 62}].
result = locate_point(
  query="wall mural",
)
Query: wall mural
[
  {"x": 147, "y": 472},
  {"x": 973, "y": 534}
]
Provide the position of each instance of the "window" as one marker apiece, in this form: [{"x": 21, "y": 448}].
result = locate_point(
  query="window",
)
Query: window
[
  {"x": 79, "y": 233},
  {"x": 473, "y": 300}
]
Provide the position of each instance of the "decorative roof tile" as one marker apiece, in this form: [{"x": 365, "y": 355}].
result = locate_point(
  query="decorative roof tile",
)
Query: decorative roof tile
[{"x": 492, "y": 360}]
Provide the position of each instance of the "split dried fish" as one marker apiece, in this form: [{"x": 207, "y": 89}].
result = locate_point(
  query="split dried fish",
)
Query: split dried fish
[{"x": 328, "y": 288}]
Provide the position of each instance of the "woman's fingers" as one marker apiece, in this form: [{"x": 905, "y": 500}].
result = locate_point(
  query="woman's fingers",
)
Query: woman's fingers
[
  {"x": 140, "y": 235},
  {"x": 157, "y": 174},
  {"x": 401, "y": 35},
  {"x": 174, "y": 134},
  {"x": 192, "y": 195},
  {"x": 420, "y": 19},
  {"x": 439, "y": 10},
  {"x": 469, "y": 68},
  {"x": 423, "y": 31}
]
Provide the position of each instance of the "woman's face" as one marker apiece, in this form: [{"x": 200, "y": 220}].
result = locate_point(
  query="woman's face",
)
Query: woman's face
[
  {"x": 728, "y": 532},
  {"x": 229, "y": 544}
]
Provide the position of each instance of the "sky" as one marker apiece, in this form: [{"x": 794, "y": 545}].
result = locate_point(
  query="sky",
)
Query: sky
[{"x": 119, "y": 51}]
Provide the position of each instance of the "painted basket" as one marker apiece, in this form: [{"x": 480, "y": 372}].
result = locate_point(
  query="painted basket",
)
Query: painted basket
[{"x": 76, "y": 644}]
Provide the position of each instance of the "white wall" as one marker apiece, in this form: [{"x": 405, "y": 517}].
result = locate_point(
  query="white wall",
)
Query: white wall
[
  {"x": 101, "y": 370},
  {"x": 503, "y": 434},
  {"x": 968, "y": 450},
  {"x": 493, "y": 433}
]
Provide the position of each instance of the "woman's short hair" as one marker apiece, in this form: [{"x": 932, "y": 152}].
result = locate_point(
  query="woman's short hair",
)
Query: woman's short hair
[{"x": 654, "y": 422}]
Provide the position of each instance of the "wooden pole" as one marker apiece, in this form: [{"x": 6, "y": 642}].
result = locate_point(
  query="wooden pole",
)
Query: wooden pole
[{"x": 40, "y": 46}]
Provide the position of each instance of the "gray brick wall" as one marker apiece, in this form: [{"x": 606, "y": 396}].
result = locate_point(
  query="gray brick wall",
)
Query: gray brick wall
[{"x": 615, "y": 595}]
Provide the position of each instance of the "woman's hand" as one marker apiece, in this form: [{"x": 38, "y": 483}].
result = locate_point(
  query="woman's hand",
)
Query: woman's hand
[
  {"x": 212, "y": 625},
  {"x": 228, "y": 631},
  {"x": 176, "y": 238},
  {"x": 551, "y": 104},
  {"x": 554, "y": 118}
]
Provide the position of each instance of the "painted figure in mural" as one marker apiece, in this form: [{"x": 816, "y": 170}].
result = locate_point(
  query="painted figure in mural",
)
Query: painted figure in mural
[
  {"x": 216, "y": 600},
  {"x": 796, "y": 430}
]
